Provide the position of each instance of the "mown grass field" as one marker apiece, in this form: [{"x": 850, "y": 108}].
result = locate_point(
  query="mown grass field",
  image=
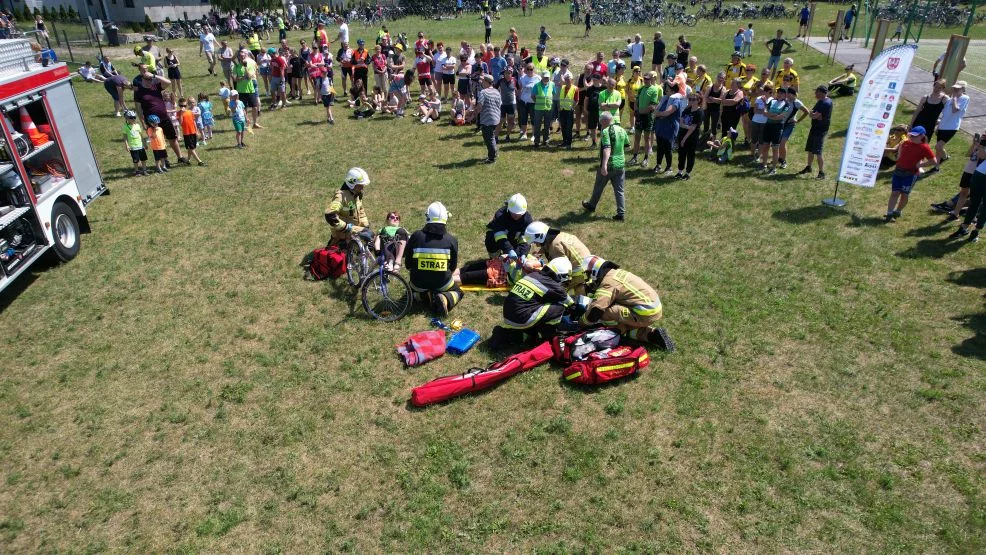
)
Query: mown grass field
[{"x": 179, "y": 388}]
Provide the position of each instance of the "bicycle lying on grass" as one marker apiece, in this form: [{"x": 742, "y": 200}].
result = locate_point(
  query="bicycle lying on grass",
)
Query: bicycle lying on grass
[{"x": 385, "y": 294}]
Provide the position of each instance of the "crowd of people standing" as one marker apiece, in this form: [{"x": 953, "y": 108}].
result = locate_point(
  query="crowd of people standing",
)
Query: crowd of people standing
[{"x": 516, "y": 91}]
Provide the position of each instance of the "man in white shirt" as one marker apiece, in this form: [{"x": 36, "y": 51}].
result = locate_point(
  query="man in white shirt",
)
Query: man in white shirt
[
  {"x": 207, "y": 46},
  {"x": 747, "y": 41},
  {"x": 343, "y": 35},
  {"x": 636, "y": 51},
  {"x": 293, "y": 10},
  {"x": 951, "y": 119}
]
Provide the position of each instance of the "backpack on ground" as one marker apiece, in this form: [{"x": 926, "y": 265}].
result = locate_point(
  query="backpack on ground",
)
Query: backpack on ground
[
  {"x": 596, "y": 356},
  {"x": 324, "y": 263}
]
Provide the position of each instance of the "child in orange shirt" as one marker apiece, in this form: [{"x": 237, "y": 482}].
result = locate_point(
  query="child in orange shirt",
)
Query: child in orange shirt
[
  {"x": 157, "y": 143},
  {"x": 188, "y": 129}
]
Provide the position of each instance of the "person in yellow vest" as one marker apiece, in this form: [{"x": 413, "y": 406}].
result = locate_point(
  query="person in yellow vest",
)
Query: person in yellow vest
[
  {"x": 551, "y": 243},
  {"x": 736, "y": 69},
  {"x": 345, "y": 214},
  {"x": 146, "y": 58},
  {"x": 621, "y": 299},
  {"x": 253, "y": 43},
  {"x": 568, "y": 98},
  {"x": 543, "y": 94},
  {"x": 540, "y": 60}
]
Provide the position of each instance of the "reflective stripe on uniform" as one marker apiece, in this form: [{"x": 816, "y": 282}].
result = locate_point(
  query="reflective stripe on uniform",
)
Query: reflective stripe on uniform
[
  {"x": 441, "y": 254},
  {"x": 647, "y": 309},
  {"x": 534, "y": 319},
  {"x": 500, "y": 235}
]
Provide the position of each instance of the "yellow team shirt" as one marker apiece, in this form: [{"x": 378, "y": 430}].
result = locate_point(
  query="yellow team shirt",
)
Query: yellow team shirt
[
  {"x": 795, "y": 80},
  {"x": 735, "y": 70}
]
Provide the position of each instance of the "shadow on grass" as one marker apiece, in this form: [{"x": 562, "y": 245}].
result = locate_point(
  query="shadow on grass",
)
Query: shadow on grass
[
  {"x": 597, "y": 388},
  {"x": 975, "y": 277},
  {"x": 865, "y": 221},
  {"x": 459, "y": 165},
  {"x": 494, "y": 299},
  {"x": 838, "y": 134},
  {"x": 571, "y": 217},
  {"x": 10, "y": 294},
  {"x": 312, "y": 123},
  {"x": 812, "y": 66},
  {"x": 805, "y": 214},
  {"x": 975, "y": 346},
  {"x": 457, "y": 136},
  {"x": 929, "y": 230},
  {"x": 931, "y": 248}
]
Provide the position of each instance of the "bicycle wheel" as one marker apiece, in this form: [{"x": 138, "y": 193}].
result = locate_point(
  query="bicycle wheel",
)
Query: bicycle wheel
[
  {"x": 357, "y": 262},
  {"x": 386, "y": 296},
  {"x": 691, "y": 21}
]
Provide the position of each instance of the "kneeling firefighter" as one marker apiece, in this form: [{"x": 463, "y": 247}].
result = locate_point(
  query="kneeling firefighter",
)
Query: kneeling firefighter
[
  {"x": 536, "y": 304},
  {"x": 345, "y": 213},
  {"x": 555, "y": 243},
  {"x": 622, "y": 299},
  {"x": 431, "y": 256},
  {"x": 505, "y": 232}
]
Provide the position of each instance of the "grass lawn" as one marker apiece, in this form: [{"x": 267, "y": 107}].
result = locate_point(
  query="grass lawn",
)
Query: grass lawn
[{"x": 179, "y": 387}]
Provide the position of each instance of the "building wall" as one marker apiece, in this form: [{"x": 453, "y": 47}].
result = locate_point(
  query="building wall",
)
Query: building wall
[{"x": 120, "y": 10}]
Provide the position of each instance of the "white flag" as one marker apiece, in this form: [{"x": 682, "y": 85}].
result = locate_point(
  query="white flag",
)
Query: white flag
[{"x": 873, "y": 115}]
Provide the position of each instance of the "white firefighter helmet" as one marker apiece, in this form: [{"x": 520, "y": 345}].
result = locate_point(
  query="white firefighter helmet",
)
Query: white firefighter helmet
[
  {"x": 436, "y": 214},
  {"x": 357, "y": 176},
  {"x": 536, "y": 232},
  {"x": 591, "y": 266},
  {"x": 561, "y": 267},
  {"x": 517, "y": 204}
]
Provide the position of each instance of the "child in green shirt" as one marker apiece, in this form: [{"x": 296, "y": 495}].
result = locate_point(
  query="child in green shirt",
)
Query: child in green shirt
[{"x": 133, "y": 138}]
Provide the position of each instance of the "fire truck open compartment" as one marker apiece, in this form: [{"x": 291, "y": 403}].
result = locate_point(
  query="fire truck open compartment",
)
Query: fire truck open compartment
[{"x": 48, "y": 171}]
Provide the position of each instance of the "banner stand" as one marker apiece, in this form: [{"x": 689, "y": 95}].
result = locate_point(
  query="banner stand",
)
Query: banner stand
[{"x": 835, "y": 201}]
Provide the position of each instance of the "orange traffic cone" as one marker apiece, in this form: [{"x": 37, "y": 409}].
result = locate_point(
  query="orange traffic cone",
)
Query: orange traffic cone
[{"x": 28, "y": 128}]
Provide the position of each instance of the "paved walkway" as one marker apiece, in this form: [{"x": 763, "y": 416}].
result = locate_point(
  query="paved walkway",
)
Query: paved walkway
[{"x": 918, "y": 81}]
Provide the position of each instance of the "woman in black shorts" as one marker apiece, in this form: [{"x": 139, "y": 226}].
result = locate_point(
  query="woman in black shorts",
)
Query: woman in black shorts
[
  {"x": 930, "y": 108},
  {"x": 464, "y": 73},
  {"x": 730, "y": 106},
  {"x": 592, "y": 91},
  {"x": 712, "y": 106},
  {"x": 174, "y": 72}
]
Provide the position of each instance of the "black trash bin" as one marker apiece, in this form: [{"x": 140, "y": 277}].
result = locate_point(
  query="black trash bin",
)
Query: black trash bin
[{"x": 112, "y": 35}]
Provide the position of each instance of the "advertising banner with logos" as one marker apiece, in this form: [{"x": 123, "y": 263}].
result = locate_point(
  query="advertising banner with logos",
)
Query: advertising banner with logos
[{"x": 873, "y": 115}]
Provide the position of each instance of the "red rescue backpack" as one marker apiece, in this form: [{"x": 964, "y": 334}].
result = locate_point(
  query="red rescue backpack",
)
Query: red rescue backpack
[
  {"x": 324, "y": 263},
  {"x": 596, "y": 356}
]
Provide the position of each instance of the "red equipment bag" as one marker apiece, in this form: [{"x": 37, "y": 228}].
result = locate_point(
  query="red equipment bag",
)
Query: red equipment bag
[
  {"x": 478, "y": 379},
  {"x": 572, "y": 348},
  {"x": 422, "y": 347},
  {"x": 324, "y": 263},
  {"x": 607, "y": 365}
]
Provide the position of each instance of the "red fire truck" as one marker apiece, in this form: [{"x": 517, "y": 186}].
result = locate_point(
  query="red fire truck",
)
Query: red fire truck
[{"x": 48, "y": 171}]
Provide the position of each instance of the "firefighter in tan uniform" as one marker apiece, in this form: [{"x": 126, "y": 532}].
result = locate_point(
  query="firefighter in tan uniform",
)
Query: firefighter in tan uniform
[
  {"x": 554, "y": 243},
  {"x": 345, "y": 213},
  {"x": 622, "y": 299}
]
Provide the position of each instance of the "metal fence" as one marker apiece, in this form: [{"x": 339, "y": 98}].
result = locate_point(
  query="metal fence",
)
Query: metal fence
[{"x": 73, "y": 41}]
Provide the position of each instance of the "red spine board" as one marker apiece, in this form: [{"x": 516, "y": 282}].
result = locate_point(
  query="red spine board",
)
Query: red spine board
[{"x": 478, "y": 379}]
